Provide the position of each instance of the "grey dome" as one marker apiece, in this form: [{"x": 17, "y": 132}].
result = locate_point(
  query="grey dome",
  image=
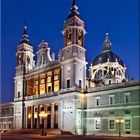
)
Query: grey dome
[{"x": 107, "y": 56}]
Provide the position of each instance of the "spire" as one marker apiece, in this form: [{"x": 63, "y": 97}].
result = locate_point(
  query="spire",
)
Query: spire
[
  {"x": 107, "y": 43},
  {"x": 74, "y": 10},
  {"x": 25, "y": 38},
  {"x": 73, "y": 2}
]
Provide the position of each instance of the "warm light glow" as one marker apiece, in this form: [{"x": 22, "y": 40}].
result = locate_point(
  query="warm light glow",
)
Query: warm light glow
[
  {"x": 49, "y": 79},
  {"x": 49, "y": 73},
  {"x": 55, "y": 77},
  {"x": 56, "y": 72},
  {"x": 36, "y": 90},
  {"x": 36, "y": 86},
  {"x": 122, "y": 121},
  {"x": 43, "y": 114},
  {"x": 56, "y": 86},
  {"x": 29, "y": 116},
  {"x": 42, "y": 88},
  {"x": 35, "y": 115},
  {"x": 119, "y": 120}
]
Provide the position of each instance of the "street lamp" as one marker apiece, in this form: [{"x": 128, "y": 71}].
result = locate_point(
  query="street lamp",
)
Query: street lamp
[
  {"x": 119, "y": 121},
  {"x": 43, "y": 115}
]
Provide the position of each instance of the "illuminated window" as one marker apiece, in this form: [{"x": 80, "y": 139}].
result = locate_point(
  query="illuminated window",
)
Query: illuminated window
[
  {"x": 56, "y": 77},
  {"x": 56, "y": 86},
  {"x": 30, "y": 87},
  {"x": 49, "y": 83},
  {"x": 49, "y": 73},
  {"x": 36, "y": 83},
  {"x": 56, "y": 72},
  {"x": 42, "y": 81},
  {"x": 49, "y": 79},
  {"x": 56, "y": 81},
  {"x": 36, "y": 86},
  {"x": 36, "y": 90},
  {"x": 42, "y": 86}
]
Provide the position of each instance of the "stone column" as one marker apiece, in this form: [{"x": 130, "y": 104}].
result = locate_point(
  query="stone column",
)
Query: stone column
[
  {"x": 38, "y": 118},
  {"x": 27, "y": 109},
  {"x": 15, "y": 89},
  {"x": 32, "y": 116},
  {"x": 25, "y": 117},
  {"x": 60, "y": 115},
  {"x": 52, "y": 115},
  {"x": 45, "y": 118},
  {"x": 62, "y": 78}
]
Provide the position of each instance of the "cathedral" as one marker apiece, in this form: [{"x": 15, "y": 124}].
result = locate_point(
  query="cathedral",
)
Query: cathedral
[{"x": 52, "y": 93}]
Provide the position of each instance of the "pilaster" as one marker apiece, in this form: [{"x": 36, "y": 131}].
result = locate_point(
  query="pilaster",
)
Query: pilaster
[{"x": 52, "y": 115}]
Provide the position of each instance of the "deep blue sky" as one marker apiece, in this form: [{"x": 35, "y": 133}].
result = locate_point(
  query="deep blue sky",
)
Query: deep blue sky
[{"x": 45, "y": 20}]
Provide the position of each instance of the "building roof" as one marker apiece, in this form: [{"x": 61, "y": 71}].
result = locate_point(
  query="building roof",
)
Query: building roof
[
  {"x": 74, "y": 10},
  {"x": 131, "y": 83},
  {"x": 107, "y": 56},
  {"x": 25, "y": 38}
]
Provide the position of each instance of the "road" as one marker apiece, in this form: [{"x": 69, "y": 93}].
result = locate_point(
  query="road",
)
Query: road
[{"x": 61, "y": 137}]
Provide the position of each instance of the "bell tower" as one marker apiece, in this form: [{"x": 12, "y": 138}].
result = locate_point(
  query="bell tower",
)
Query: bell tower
[
  {"x": 24, "y": 54},
  {"x": 73, "y": 53},
  {"x": 24, "y": 64},
  {"x": 74, "y": 28}
]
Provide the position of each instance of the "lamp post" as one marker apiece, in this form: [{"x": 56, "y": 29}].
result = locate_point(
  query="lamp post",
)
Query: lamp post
[
  {"x": 43, "y": 115},
  {"x": 119, "y": 121}
]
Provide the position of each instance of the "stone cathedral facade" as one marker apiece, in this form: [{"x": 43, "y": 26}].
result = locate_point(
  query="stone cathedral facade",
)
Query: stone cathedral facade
[{"x": 52, "y": 93}]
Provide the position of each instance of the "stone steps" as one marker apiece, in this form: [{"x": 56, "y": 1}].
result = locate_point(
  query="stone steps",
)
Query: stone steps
[{"x": 35, "y": 131}]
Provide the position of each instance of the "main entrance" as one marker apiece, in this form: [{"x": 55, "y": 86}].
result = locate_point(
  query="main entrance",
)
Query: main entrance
[{"x": 42, "y": 116}]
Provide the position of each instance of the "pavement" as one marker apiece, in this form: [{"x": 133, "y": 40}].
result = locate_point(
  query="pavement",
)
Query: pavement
[
  {"x": 55, "y": 135},
  {"x": 60, "y": 137}
]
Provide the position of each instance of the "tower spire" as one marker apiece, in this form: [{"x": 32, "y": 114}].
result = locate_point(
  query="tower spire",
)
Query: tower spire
[
  {"x": 73, "y": 2},
  {"x": 25, "y": 38},
  {"x": 74, "y": 10},
  {"x": 107, "y": 43},
  {"x": 25, "y": 28}
]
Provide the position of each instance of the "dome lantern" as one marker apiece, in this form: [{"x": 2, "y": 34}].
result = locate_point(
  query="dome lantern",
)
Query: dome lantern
[{"x": 107, "y": 43}]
